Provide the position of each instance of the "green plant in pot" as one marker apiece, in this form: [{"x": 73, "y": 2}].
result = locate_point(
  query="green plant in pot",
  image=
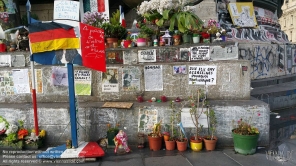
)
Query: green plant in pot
[
  {"x": 198, "y": 107},
  {"x": 155, "y": 137},
  {"x": 245, "y": 135},
  {"x": 210, "y": 140},
  {"x": 111, "y": 133},
  {"x": 181, "y": 140},
  {"x": 113, "y": 29}
]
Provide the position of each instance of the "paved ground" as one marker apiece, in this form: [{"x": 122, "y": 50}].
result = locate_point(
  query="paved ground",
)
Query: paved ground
[{"x": 145, "y": 157}]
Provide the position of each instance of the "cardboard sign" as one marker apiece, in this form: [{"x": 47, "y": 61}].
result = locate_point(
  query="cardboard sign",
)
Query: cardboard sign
[
  {"x": 67, "y": 10},
  {"x": 202, "y": 75},
  {"x": 93, "y": 52}
]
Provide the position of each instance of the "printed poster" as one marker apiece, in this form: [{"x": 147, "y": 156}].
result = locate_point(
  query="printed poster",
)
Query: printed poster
[
  {"x": 38, "y": 80},
  {"x": 202, "y": 75},
  {"x": 6, "y": 83},
  {"x": 5, "y": 60},
  {"x": 200, "y": 53},
  {"x": 59, "y": 76},
  {"x": 242, "y": 14},
  {"x": 131, "y": 79},
  {"x": 110, "y": 80},
  {"x": 147, "y": 118},
  {"x": 130, "y": 57},
  {"x": 153, "y": 78},
  {"x": 82, "y": 79},
  {"x": 147, "y": 55},
  {"x": 21, "y": 81}
]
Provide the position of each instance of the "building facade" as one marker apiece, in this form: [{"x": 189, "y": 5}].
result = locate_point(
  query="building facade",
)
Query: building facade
[{"x": 288, "y": 20}]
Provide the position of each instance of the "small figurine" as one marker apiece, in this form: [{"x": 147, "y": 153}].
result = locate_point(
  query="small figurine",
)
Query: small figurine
[{"x": 120, "y": 141}]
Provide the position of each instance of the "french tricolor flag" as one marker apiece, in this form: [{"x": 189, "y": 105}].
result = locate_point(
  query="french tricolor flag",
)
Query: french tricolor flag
[{"x": 122, "y": 20}]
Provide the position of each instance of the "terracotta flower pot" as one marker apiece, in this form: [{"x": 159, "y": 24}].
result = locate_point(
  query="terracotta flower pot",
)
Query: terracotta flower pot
[
  {"x": 177, "y": 39},
  {"x": 110, "y": 41},
  {"x": 210, "y": 144},
  {"x": 182, "y": 146},
  {"x": 155, "y": 143},
  {"x": 170, "y": 145},
  {"x": 166, "y": 137}
]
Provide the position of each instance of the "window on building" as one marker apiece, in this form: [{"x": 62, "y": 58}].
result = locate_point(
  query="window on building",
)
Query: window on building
[
  {"x": 292, "y": 19},
  {"x": 285, "y": 23}
]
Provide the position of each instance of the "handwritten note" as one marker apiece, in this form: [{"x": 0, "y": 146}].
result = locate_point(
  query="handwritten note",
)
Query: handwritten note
[
  {"x": 93, "y": 47},
  {"x": 201, "y": 75},
  {"x": 68, "y": 10}
]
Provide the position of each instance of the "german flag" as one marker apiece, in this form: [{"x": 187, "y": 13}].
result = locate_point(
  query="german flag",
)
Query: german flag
[{"x": 52, "y": 36}]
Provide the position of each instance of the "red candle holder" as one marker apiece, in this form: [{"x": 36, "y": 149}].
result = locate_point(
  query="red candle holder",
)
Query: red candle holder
[
  {"x": 140, "y": 99},
  {"x": 163, "y": 99}
]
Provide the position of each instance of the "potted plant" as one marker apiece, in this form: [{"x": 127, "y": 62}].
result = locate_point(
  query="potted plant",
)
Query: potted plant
[
  {"x": 196, "y": 37},
  {"x": 111, "y": 133},
  {"x": 127, "y": 42},
  {"x": 146, "y": 32},
  {"x": 245, "y": 135},
  {"x": 113, "y": 30},
  {"x": 213, "y": 28},
  {"x": 181, "y": 140},
  {"x": 155, "y": 137},
  {"x": 198, "y": 107},
  {"x": 177, "y": 37},
  {"x": 210, "y": 140}
]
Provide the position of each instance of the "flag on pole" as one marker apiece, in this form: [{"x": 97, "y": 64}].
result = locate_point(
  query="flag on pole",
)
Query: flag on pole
[
  {"x": 52, "y": 36},
  {"x": 122, "y": 20}
]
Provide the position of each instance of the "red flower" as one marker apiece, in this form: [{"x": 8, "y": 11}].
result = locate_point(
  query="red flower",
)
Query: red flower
[
  {"x": 205, "y": 35},
  {"x": 259, "y": 114},
  {"x": 22, "y": 133}
]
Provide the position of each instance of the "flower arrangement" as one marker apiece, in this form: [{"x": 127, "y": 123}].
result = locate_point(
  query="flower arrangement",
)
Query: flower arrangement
[
  {"x": 17, "y": 136},
  {"x": 213, "y": 26},
  {"x": 171, "y": 12},
  {"x": 244, "y": 126},
  {"x": 113, "y": 129},
  {"x": 94, "y": 19},
  {"x": 32, "y": 138}
]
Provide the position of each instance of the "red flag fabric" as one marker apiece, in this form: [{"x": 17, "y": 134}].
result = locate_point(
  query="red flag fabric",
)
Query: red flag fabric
[
  {"x": 122, "y": 19},
  {"x": 93, "y": 47},
  {"x": 101, "y": 6}
]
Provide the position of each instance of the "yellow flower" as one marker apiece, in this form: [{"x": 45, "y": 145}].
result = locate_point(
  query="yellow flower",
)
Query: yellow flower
[{"x": 42, "y": 133}]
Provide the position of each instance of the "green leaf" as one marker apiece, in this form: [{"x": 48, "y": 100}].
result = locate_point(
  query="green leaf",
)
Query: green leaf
[
  {"x": 172, "y": 22},
  {"x": 160, "y": 22},
  {"x": 165, "y": 14}
]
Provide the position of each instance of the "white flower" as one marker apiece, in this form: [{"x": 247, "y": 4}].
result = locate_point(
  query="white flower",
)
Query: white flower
[
  {"x": 12, "y": 128},
  {"x": 33, "y": 137},
  {"x": 2, "y": 126}
]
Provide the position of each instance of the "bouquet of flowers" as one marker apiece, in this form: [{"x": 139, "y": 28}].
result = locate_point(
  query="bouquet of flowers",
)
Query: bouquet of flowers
[{"x": 94, "y": 19}]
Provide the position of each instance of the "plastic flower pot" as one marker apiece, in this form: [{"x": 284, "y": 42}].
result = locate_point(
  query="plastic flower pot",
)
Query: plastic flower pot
[
  {"x": 245, "y": 144},
  {"x": 141, "y": 42}
]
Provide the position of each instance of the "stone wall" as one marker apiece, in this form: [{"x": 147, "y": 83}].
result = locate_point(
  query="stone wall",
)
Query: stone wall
[{"x": 93, "y": 119}]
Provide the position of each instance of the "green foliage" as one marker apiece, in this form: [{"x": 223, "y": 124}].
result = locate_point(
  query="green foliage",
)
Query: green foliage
[
  {"x": 198, "y": 107},
  {"x": 115, "y": 18},
  {"x": 212, "y": 122},
  {"x": 184, "y": 21},
  {"x": 12, "y": 137}
]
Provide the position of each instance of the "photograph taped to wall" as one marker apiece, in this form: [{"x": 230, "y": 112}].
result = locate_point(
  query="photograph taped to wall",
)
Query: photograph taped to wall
[
  {"x": 6, "y": 83},
  {"x": 180, "y": 69},
  {"x": 38, "y": 80},
  {"x": 184, "y": 54},
  {"x": 59, "y": 76}
]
